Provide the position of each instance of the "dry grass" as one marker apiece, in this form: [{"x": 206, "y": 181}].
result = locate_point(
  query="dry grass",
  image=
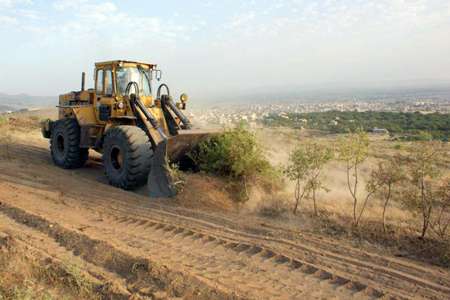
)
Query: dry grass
[
  {"x": 15, "y": 125},
  {"x": 335, "y": 206},
  {"x": 273, "y": 206},
  {"x": 24, "y": 275},
  {"x": 208, "y": 192},
  {"x": 401, "y": 241}
]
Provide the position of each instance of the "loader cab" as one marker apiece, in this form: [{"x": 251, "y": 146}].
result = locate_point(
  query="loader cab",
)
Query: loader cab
[
  {"x": 115, "y": 76},
  {"x": 111, "y": 80}
]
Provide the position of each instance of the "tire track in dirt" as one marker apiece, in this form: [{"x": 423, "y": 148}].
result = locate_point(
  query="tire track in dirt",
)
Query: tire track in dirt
[
  {"x": 271, "y": 274},
  {"x": 415, "y": 269},
  {"x": 317, "y": 259},
  {"x": 57, "y": 259},
  {"x": 389, "y": 277},
  {"x": 171, "y": 236},
  {"x": 388, "y": 267},
  {"x": 383, "y": 275},
  {"x": 137, "y": 271},
  {"x": 281, "y": 256}
]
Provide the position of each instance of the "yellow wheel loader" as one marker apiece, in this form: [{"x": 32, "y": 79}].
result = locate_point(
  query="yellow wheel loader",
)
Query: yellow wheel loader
[{"x": 137, "y": 134}]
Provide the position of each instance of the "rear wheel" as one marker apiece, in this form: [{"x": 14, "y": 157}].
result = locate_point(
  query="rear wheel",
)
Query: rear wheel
[
  {"x": 65, "y": 145},
  {"x": 127, "y": 155}
]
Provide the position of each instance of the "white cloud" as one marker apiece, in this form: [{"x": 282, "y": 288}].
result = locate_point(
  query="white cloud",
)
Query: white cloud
[
  {"x": 251, "y": 42},
  {"x": 68, "y": 4},
  {"x": 14, "y": 3},
  {"x": 242, "y": 20},
  {"x": 106, "y": 11},
  {"x": 29, "y": 14},
  {"x": 6, "y": 21},
  {"x": 12, "y": 12},
  {"x": 296, "y": 18}
]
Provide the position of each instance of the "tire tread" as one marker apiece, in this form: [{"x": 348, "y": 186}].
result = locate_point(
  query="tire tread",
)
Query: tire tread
[{"x": 139, "y": 156}]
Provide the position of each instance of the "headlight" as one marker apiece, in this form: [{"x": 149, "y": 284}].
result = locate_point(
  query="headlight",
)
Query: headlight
[
  {"x": 184, "y": 98},
  {"x": 121, "y": 105}
]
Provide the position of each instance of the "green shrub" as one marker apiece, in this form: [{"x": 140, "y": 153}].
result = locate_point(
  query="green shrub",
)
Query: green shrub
[
  {"x": 3, "y": 120},
  {"x": 236, "y": 154}
]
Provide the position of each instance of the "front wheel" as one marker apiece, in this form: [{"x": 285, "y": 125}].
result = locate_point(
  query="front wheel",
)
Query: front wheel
[{"x": 127, "y": 155}]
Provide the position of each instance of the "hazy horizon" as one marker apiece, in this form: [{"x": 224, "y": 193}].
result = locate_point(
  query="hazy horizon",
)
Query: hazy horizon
[{"x": 210, "y": 49}]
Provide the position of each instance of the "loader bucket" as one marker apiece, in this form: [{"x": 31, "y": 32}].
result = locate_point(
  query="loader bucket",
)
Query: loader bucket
[
  {"x": 185, "y": 141},
  {"x": 160, "y": 181}
]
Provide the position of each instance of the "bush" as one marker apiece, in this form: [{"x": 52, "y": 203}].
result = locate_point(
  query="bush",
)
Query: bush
[{"x": 236, "y": 154}]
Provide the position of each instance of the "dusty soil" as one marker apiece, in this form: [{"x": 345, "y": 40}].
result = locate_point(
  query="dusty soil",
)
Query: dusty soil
[{"x": 126, "y": 246}]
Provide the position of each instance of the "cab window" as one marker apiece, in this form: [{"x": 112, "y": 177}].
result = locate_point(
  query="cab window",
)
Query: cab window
[
  {"x": 99, "y": 83},
  {"x": 108, "y": 83}
]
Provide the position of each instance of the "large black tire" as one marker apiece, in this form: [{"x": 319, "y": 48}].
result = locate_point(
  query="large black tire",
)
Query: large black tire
[
  {"x": 65, "y": 145},
  {"x": 127, "y": 154}
]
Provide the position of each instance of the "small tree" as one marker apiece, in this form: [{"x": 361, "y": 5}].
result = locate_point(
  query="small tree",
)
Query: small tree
[
  {"x": 353, "y": 150},
  {"x": 441, "y": 224},
  {"x": 387, "y": 175},
  {"x": 305, "y": 168},
  {"x": 421, "y": 194}
]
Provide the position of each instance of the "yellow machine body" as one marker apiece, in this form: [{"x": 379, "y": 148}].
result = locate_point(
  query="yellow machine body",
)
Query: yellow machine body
[
  {"x": 118, "y": 112},
  {"x": 86, "y": 105}
]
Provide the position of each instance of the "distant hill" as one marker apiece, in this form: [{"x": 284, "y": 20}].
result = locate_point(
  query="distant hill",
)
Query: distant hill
[
  {"x": 20, "y": 101},
  {"x": 396, "y": 91}
]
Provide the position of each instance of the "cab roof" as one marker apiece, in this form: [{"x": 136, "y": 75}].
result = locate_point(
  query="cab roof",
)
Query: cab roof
[{"x": 123, "y": 62}]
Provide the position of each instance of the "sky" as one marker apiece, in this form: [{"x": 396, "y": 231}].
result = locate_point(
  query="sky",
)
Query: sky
[{"x": 209, "y": 48}]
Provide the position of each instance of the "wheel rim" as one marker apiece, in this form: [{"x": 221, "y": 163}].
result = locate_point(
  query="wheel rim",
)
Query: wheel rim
[
  {"x": 60, "y": 143},
  {"x": 116, "y": 158}
]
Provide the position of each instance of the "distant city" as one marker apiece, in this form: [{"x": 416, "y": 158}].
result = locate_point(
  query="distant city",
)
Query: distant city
[
  {"x": 253, "y": 108},
  {"x": 252, "y": 113}
]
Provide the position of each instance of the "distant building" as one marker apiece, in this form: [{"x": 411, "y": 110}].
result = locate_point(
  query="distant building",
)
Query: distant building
[
  {"x": 333, "y": 123},
  {"x": 380, "y": 130}
]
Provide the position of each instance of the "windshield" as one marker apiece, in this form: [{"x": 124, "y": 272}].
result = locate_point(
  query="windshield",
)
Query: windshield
[{"x": 129, "y": 74}]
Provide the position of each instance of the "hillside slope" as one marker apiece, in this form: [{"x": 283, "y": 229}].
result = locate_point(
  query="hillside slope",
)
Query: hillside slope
[{"x": 125, "y": 245}]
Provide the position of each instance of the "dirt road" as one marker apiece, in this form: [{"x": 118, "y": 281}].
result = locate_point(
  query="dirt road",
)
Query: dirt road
[{"x": 136, "y": 248}]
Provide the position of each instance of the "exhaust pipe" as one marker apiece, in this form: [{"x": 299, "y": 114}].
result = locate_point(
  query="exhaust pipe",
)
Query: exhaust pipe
[{"x": 83, "y": 80}]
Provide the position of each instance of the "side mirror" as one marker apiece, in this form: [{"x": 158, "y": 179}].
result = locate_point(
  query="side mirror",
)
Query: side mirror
[
  {"x": 155, "y": 74},
  {"x": 183, "y": 100}
]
